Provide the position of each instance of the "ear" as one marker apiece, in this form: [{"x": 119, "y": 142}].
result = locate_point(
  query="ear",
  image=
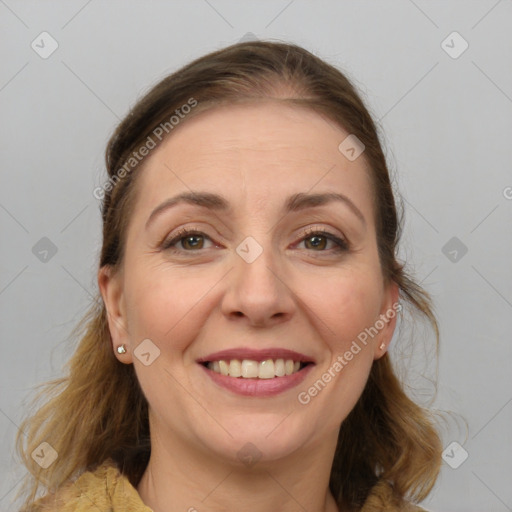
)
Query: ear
[
  {"x": 111, "y": 288},
  {"x": 387, "y": 319}
]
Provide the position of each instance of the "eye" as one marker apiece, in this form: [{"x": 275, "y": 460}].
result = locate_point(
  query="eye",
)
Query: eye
[
  {"x": 190, "y": 239},
  {"x": 318, "y": 240}
]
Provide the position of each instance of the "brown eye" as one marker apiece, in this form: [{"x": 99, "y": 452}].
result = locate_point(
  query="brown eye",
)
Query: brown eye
[
  {"x": 189, "y": 241},
  {"x": 192, "y": 242},
  {"x": 318, "y": 241}
]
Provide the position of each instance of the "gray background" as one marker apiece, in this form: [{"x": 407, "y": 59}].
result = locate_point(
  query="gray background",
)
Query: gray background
[{"x": 448, "y": 132}]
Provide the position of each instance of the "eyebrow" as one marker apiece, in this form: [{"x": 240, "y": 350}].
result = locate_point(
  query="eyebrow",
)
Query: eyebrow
[{"x": 295, "y": 202}]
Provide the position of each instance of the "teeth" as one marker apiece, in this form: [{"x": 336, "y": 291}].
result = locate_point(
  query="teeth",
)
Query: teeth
[
  {"x": 224, "y": 368},
  {"x": 235, "y": 368},
  {"x": 266, "y": 369},
  {"x": 279, "y": 368},
  {"x": 249, "y": 369}
]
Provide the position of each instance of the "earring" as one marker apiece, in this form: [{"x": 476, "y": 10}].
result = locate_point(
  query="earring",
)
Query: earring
[
  {"x": 121, "y": 349},
  {"x": 383, "y": 346}
]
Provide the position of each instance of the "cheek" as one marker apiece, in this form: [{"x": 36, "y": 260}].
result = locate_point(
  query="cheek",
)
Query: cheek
[
  {"x": 344, "y": 305},
  {"x": 161, "y": 305}
]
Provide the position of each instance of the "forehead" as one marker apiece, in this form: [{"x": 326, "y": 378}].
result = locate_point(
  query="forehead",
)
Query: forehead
[{"x": 254, "y": 151}]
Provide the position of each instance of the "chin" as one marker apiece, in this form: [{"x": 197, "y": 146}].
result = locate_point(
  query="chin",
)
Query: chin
[{"x": 259, "y": 438}]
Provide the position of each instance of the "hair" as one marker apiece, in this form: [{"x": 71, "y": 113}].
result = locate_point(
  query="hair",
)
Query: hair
[{"x": 98, "y": 411}]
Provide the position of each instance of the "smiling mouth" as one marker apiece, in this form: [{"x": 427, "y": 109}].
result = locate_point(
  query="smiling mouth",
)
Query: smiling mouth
[{"x": 252, "y": 369}]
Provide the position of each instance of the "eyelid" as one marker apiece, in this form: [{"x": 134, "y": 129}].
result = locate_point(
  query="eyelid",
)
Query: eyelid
[{"x": 311, "y": 230}]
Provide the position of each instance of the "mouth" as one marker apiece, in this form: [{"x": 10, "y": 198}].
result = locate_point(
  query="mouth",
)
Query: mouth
[
  {"x": 257, "y": 372},
  {"x": 252, "y": 369}
]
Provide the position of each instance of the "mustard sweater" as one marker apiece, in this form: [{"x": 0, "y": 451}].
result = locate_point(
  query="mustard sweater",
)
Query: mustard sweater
[{"x": 107, "y": 490}]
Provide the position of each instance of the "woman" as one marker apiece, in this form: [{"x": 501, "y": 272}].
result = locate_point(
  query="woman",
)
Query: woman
[{"x": 237, "y": 357}]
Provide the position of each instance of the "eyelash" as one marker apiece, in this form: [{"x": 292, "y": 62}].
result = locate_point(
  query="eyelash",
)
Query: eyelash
[{"x": 341, "y": 245}]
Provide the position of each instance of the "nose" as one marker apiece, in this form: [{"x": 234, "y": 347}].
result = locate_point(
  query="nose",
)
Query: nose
[{"x": 257, "y": 292}]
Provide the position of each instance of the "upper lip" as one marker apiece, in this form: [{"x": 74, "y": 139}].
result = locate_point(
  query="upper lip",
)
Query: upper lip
[{"x": 256, "y": 355}]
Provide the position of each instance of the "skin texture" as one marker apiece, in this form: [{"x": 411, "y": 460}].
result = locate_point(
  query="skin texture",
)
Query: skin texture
[{"x": 295, "y": 295}]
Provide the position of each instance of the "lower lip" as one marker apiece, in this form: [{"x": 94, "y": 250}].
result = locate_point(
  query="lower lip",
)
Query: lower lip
[{"x": 258, "y": 387}]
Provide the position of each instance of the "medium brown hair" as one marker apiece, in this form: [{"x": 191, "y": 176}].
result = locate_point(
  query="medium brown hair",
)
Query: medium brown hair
[{"x": 98, "y": 411}]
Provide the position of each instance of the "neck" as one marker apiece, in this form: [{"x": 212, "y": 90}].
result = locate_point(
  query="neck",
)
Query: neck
[{"x": 183, "y": 478}]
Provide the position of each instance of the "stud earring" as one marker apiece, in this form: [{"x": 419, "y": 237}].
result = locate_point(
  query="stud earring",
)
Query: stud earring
[
  {"x": 383, "y": 346},
  {"x": 121, "y": 349}
]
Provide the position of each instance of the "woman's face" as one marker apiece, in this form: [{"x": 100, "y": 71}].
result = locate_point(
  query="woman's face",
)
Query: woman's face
[{"x": 253, "y": 281}]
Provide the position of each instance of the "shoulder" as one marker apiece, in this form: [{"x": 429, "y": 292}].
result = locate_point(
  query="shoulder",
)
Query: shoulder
[
  {"x": 383, "y": 499},
  {"x": 104, "y": 488}
]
